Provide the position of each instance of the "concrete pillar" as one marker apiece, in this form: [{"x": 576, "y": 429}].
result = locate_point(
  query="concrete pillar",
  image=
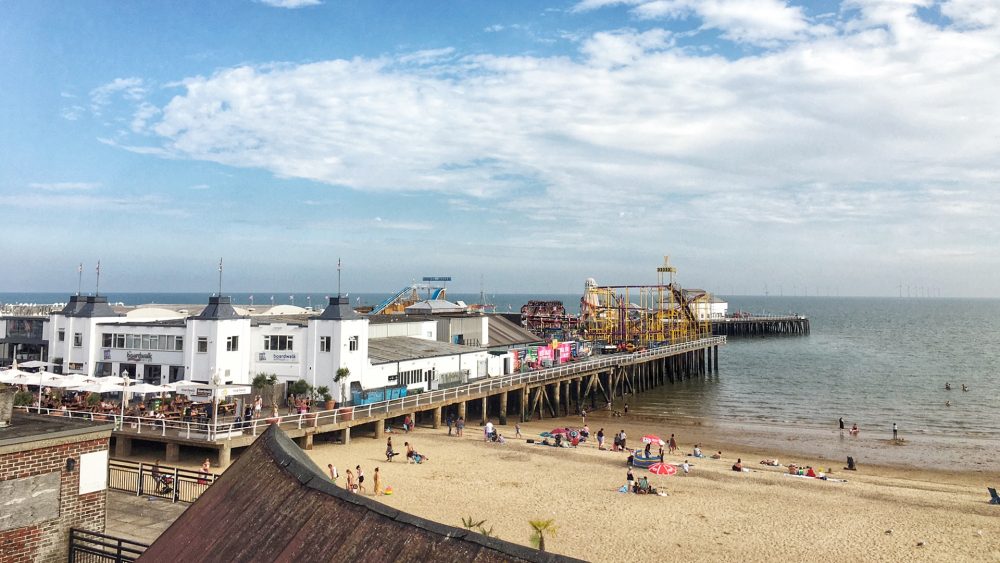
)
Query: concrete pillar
[
  {"x": 555, "y": 405},
  {"x": 462, "y": 411},
  {"x": 347, "y": 435},
  {"x": 123, "y": 446},
  {"x": 173, "y": 451},
  {"x": 437, "y": 418},
  {"x": 503, "y": 408},
  {"x": 576, "y": 391},
  {"x": 225, "y": 456},
  {"x": 305, "y": 442},
  {"x": 379, "y": 429},
  {"x": 485, "y": 418},
  {"x": 524, "y": 404}
]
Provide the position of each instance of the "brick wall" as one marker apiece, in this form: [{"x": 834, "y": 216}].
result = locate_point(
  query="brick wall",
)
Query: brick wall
[{"x": 48, "y": 541}]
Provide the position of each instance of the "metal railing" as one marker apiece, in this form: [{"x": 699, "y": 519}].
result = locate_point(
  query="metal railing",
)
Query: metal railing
[
  {"x": 213, "y": 431},
  {"x": 94, "y": 547},
  {"x": 172, "y": 483}
]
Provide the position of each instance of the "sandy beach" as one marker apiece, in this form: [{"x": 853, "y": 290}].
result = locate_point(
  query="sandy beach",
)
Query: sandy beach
[{"x": 711, "y": 514}]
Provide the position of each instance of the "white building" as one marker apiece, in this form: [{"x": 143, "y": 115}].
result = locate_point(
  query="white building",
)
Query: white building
[{"x": 159, "y": 345}]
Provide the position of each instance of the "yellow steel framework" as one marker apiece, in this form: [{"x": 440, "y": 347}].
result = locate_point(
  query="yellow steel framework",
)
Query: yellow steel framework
[{"x": 661, "y": 313}]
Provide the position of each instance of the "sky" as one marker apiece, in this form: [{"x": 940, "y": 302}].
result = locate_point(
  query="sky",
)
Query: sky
[{"x": 831, "y": 148}]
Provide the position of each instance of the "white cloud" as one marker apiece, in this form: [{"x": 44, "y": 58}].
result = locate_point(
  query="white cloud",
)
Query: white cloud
[
  {"x": 291, "y": 4},
  {"x": 972, "y": 13},
  {"x": 860, "y": 127},
  {"x": 64, "y": 186},
  {"x": 131, "y": 89},
  {"x": 759, "y": 22}
]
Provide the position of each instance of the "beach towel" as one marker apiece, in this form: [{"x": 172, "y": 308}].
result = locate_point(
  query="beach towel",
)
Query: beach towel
[{"x": 623, "y": 489}]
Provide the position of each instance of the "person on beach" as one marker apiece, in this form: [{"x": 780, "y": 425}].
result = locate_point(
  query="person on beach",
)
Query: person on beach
[
  {"x": 333, "y": 473},
  {"x": 361, "y": 480},
  {"x": 460, "y": 425},
  {"x": 377, "y": 486},
  {"x": 629, "y": 478},
  {"x": 517, "y": 429},
  {"x": 648, "y": 451},
  {"x": 965, "y": 387},
  {"x": 841, "y": 423},
  {"x": 686, "y": 467},
  {"x": 947, "y": 386},
  {"x": 717, "y": 455},
  {"x": 406, "y": 424},
  {"x": 617, "y": 443},
  {"x": 488, "y": 431},
  {"x": 450, "y": 422},
  {"x": 623, "y": 439},
  {"x": 660, "y": 453},
  {"x": 600, "y": 439},
  {"x": 738, "y": 466},
  {"x": 855, "y": 430},
  {"x": 351, "y": 486},
  {"x": 388, "y": 449},
  {"x": 697, "y": 451},
  {"x": 895, "y": 431},
  {"x": 626, "y": 408},
  {"x": 583, "y": 414},
  {"x": 672, "y": 444},
  {"x": 206, "y": 472}
]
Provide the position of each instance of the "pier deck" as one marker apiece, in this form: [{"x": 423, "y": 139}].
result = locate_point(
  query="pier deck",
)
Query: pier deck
[
  {"x": 764, "y": 325},
  {"x": 555, "y": 391}
]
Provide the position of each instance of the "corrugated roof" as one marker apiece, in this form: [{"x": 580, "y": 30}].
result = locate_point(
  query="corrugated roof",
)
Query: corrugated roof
[
  {"x": 505, "y": 333},
  {"x": 274, "y": 504},
  {"x": 402, "y": 348}
]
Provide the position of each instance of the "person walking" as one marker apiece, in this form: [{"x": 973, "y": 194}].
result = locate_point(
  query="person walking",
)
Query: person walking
[
  {"x": 460, "y": 425},
  {"x": 351, "y": 485},
  {"x": 672, "y": 444},
  {"x": 377, "y": 486},
  {"x": 450, "y": 422},
  {"x": 600, "y": 439},
  {"x": 388, "y": 449},
  {"x": 895, "y": 431},
  {"x": 361, "y": 480},
  {"x": 333, "y": 473},
  {"x": 517, "y": 429},
  {"x": 841, "y": 423}
]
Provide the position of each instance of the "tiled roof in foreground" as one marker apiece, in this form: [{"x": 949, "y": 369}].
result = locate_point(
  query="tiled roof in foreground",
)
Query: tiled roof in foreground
[{"x": 274, "y": 504}]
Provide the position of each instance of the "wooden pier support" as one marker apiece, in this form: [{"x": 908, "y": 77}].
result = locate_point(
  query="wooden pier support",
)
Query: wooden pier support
[
  {"x": 437, "y": 418},
  {"x": 503, "y": 408}
]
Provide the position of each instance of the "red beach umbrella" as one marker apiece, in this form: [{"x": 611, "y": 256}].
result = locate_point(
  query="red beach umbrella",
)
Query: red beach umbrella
[
  {"x": 555, "y": 431},
  {"x": 662, "y": 469},
  {"x": 652, "y": 439}
]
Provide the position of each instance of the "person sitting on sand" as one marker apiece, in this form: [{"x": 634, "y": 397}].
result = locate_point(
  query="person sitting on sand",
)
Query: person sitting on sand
[
  {"x": 793, "y": 469},
  {"x": 810, "y": 472},
  {"x": 855, "y": 430},
  {"x": 717, "y": 455},
  {"x": 738, "y": 466},
  {"x": 643, "y": 485},
  {"x": 648, "y": 450},
  {"x": 697, "y": 451},
  {"x": 771, "y": 462}
]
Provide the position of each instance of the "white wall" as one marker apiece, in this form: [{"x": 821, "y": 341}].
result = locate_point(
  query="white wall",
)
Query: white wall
[
  {"x": 426, "y": 330},
  {"x": 474, "y": 330}
]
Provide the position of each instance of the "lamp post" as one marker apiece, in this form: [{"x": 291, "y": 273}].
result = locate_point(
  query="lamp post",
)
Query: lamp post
[{"x": 125, "y": 382}]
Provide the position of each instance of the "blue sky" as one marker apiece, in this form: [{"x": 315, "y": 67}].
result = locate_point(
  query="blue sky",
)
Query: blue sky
[{"x": 829, "y": 147}]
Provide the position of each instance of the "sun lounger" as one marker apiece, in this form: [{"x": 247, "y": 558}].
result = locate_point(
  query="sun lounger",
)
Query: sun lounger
[{"x": 994, "y": 497}]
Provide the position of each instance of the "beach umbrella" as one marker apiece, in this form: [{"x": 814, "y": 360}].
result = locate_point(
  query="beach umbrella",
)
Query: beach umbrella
[
  {"x": 35, "y": 364},
  {"x": 555, "y": 431},
  {"x": 662, "y": 469},
  {"x": 98, "y": 386},
  {"x": 10, "y": 375},
  {"x": 652, "y": 439},
  {"x": 147, "y": 388},
  {"x": 49, "y": 379}
]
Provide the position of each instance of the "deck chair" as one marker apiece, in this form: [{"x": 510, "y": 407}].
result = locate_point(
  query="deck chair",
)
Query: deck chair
[{"x": 994, "y": 497}]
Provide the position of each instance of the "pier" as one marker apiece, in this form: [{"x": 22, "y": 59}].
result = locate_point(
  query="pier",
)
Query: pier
[
  {"x": 551, "y": 392},
  {"x": 788, "y": 325}
]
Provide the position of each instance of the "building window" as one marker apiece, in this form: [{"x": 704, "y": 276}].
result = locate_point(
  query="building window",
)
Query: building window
[
  {"x": 278, "y": 342},
  {"x": 107, "y": 340},
  {"x": 324, "y": 343},
  {"x": 175, "y": 373},
  {"x": 178, "y": 343},
  {"x": 62, "y": 335},
  {"x": 353, "y": 344},
  {"x": 202, "y": 344},
  {"x": 411, "y": 376},
  {"x": 77, "y": 339},
  {"x": 232, "y": 344}
]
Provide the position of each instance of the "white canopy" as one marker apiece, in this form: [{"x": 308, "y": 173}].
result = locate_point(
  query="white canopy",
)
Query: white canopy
[{"x": 35, "y": 364}]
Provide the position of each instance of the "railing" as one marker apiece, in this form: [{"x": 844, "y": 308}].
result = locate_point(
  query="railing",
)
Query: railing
[
  {"x": 212, "y": 432},
  {"x": 93, "y": 547},
  {"x": 172, "y": 483}
]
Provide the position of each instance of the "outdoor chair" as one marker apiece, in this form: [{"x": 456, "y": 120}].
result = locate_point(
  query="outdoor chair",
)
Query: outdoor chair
[{"x": 994, "y": 497}]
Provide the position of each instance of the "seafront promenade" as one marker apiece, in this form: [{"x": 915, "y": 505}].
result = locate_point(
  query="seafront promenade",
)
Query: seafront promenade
[{"x": 550, "y": 392}]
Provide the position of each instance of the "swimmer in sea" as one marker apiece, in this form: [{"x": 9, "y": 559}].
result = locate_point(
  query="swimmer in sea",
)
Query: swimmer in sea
[
  {"x": 947, "y": 403},
  {"x": 965, "y": 387},
  {"x": 947, "y": 386}
]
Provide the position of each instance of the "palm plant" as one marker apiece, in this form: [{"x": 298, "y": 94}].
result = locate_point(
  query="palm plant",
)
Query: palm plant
[
  {"x": 541, "y": 527},
  {"x": 477, "y": 526},
  {"x": 340, "y": 377}
]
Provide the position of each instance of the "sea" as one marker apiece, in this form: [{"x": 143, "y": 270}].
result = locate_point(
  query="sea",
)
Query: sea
[{"x": 872, "y": 361}]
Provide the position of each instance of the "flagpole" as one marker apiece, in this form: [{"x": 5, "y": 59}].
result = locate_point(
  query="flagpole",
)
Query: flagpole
[
  {"x": 97, "y": 288},
  {"x": 79, "y": 281},
  {"x": 338, "y": 277},
  {"x": 220, "y": 277}
]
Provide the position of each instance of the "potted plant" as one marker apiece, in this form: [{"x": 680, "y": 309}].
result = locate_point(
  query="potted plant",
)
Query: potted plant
[
  {"x": 265, "y": 382},
  {"x": 324, "y": 392},
  {"x": 341, "y": 377}
]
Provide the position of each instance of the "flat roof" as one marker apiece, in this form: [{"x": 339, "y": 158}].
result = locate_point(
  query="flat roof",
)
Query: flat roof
[
  {"x": 402, "y": 348},
  {"x": 399, "y": 318},
  {"x": 26, "y": 427}
]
